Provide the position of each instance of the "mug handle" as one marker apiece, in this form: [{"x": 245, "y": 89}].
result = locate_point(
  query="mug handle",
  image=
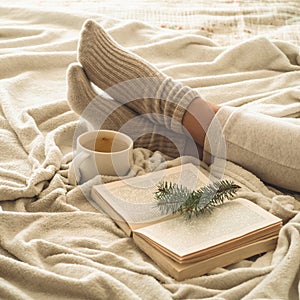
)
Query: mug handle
[{"x": 74, "y": 170}]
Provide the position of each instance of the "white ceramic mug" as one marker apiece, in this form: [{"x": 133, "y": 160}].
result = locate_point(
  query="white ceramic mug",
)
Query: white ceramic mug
[{"x": 102, "y": 152}]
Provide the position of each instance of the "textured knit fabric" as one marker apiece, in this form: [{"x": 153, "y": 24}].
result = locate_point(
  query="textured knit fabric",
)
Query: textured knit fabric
[{"x": 132, "y": 80}]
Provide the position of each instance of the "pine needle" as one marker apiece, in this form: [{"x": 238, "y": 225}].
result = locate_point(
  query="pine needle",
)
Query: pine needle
[{"x": 173, "y": 198}]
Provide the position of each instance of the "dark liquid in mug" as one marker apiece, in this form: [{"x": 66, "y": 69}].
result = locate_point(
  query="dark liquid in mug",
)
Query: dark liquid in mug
[{"x": 106, "y": 144}]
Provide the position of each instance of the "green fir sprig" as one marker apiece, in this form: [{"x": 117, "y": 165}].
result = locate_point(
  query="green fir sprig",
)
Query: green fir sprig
[{"x": 174, "y": 198}]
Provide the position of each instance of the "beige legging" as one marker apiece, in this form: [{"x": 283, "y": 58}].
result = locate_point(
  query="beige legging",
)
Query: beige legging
[{"x": 267, "y": 146}]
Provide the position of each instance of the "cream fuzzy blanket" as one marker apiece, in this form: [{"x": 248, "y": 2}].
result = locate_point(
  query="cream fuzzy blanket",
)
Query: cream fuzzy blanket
[{"x": 53, "y": 243}]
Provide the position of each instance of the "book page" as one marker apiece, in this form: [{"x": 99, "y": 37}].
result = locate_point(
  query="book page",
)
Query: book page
[
  {"x": 228, "y": 221},
  {"x": 134, "y": 198}
]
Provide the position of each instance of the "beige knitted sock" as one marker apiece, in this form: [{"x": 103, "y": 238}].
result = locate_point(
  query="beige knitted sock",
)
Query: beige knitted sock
[
  {"x": 100, "y": 111},
  {"x": 106, "y": 113},
  {"x": 131, "y": 80}
]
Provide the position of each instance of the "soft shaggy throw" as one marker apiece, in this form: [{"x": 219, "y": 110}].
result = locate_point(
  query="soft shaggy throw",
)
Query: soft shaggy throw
[{"x": 53, "y": 243}]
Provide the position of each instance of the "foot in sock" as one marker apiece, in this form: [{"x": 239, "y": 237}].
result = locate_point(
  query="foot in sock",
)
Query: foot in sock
[
  {"x": 106, "y": 113},
  {"x": 108, "y": 63},
  {"x": 100, "y": 110}
]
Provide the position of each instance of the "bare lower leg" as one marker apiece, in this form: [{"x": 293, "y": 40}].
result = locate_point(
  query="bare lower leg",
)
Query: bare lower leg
[{"x": 198, "y": 118}]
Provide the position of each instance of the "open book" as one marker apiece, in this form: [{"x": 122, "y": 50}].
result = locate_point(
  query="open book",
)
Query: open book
[{"x": 185, "y": 248}]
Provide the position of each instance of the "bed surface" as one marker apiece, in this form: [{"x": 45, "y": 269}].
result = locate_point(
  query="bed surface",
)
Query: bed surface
[{"x": 53, "y": 243}]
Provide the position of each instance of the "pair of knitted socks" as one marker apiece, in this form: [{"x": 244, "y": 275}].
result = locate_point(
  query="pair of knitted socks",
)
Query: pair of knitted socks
[{"x": 134, "y": 95}]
